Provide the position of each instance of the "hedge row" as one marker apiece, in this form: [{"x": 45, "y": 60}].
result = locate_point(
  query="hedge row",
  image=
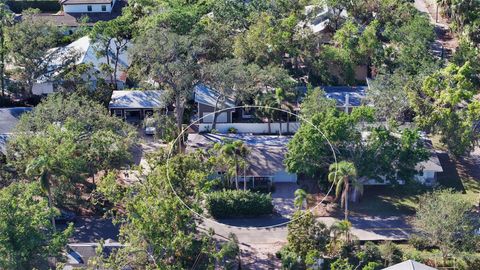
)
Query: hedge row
[
  {"x": 43, "y": 5},
  {"x": 238, "y": 203}
]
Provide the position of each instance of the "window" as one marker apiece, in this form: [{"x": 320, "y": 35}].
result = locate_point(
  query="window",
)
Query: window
[
  {"x": 104, "y": 8},
  {"x": 118, "y": 113},
  {"x": 89, "y": 8}
]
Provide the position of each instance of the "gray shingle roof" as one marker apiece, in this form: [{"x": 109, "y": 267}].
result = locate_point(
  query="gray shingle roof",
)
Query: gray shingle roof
[
  {"x": 136, "y": 99},
  {"x": 9, "y": 118},
  {"x": 266, "y": 152},
  {"x": 207, "y": 96}
]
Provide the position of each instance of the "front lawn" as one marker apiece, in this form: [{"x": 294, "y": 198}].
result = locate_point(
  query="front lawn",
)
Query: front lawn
[{"x": 383, "y": 200}]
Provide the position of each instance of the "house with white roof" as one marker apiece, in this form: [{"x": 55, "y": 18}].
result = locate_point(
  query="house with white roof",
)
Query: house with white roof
[
  {"x": 135, "y": 105},
  {"x": 87, "y": 6},
  {"x": 84, "y": 52},
  {"x": 409, "y": 265}
]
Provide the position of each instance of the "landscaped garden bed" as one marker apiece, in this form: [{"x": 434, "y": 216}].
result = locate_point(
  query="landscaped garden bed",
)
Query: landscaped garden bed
[{"x": 238, "y": 203}]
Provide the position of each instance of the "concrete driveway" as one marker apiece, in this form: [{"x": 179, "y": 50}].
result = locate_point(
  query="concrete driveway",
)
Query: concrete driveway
[{"x": 283, "y": 198}]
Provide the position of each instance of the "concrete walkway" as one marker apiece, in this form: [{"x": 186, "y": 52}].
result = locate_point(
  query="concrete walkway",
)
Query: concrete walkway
[{"x": 445, "y": 43}]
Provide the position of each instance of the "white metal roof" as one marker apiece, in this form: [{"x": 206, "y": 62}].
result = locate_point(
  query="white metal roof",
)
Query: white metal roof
[
  {"x": 207, "y": 96},
  {"x": 137, "y": 99},
  {"x": 409, "y": 265}
]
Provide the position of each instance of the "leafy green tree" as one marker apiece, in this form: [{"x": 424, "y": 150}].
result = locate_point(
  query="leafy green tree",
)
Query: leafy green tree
[
  {"x": 306, "y": 234},
  {"x": 341, "y": 264},
  {"x": 168, "y": 59},
  {"x": 315, "y": 102},
  {"x": 342, "y": 175},
  {"x": 445, "y": 106},
  {"x": 443, "y": 219},
  {"x": 66, "y": 139},
  {"x": 228, "y": 78},
  {"x": 30, "y": 46},
  {"x": 300, "y": 197},
  {"x": 388, "y": 93},
  {"x": 112, "y": 38},
  {"x": 341, "y": 229},
  {"x": 158, "y": 230},
  {"x": 28, "y": 238},
  {"x": 391, "y": 253},
  {"x": 6, "y": 19}
]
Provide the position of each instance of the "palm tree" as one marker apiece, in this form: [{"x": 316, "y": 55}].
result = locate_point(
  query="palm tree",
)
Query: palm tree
[
  {"x": 300, "y": 197},
  {"x": 40, "y": 167},
  {"x": 234, "y": 151},
  {"x": 344, "y": 174},
  {"x": 267, "y": 102},
  {"x": 341, "y": 228},
  {"x": 282, "y": 104}
]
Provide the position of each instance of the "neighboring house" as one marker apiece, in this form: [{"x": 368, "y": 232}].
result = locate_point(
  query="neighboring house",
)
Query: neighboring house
[
  {"x": 320, "y": 19},
  {"x": 428, "y": 170},
  {"x": 265, "y": 160},
  {"x": 84, "y": 52},
  {"x": 74, "y": 11},
  {"x": 242, "y": 119},
  {"x": 87, "y": 6},
  {"x": 409, "y": 265},
  {"x": 134, "y": 105},
  {"x": 347, "y": 97},
  {"x": 206, "y": 98},
  {"x": 78, "y": 254},
  {"x": 9, "y": 118}
]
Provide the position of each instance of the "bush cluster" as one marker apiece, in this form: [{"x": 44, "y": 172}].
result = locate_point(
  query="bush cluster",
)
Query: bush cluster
[{"x": 238, "y": 203}]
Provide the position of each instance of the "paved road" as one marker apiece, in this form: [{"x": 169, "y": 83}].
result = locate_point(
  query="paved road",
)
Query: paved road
[{"x": 92, "y": 229}]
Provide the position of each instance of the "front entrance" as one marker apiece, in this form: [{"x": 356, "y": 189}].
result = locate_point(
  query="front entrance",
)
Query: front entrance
[{"x": 133, "y": 115}]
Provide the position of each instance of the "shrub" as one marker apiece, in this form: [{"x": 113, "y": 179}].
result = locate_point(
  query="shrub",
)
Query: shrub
[
  {"x": 234, "y": 203},
  {"x": 42, "y": 5},
  {"x": 232, "y": 130}
]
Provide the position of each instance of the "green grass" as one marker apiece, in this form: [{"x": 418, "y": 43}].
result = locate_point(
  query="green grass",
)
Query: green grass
[{"x": 384, "y": 200}]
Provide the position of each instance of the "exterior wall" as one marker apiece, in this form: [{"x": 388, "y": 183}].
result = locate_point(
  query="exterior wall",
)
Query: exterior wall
[
  {"x": 83, "y": 8},
  {"x": 255, "y": 128},
  {"x": 142, "y": 111},
  {"x": 42, "y": 88},
  {"x": 205, "y": 109},
  {"x": 284, "y": 177}
]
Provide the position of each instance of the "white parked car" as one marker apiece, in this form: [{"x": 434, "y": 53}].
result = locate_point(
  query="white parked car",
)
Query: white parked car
[{"x": 150, "y": 131}]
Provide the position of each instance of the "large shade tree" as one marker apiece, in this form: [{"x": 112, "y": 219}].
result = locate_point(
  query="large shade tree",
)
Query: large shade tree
[
  {"x": 33, "y": 46},
  {"x": 444, "y": 219},
  {"x": 67, "y": 139},
  {"x": 28, "y": 238}
]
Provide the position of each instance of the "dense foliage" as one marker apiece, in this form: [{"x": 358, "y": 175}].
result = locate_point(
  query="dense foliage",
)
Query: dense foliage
[
  {"x": 238, "y": 203},
  {"x": 27, "y": 237}
]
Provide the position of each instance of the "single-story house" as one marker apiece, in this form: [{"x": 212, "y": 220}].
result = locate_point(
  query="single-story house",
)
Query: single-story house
[
  {"x": 347, "y": 97},
  {"x": 206, "y": 99},
  {"x": 409, "y": 265},
  {"x": 320, "y": 18},
  {"x": 265, "y": 158},
  {"x": 73, "y": 11},
  {"x": 134, "y": 105},
  {"x": 9, "y": 118},
  {"x": 428, "y": 170},
  {"x": 81, "y": 51}
]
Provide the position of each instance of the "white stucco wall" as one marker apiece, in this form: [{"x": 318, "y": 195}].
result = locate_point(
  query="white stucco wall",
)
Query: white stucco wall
[
  {"x": 42, "y": 88},
  {"x": 256, "y": 128},
  {"x": 284, "y": 177},
  {"x": 83, "y": 8}
]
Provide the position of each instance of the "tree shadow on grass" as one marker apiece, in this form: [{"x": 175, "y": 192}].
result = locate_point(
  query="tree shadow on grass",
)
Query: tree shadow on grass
[{"x": 450, "y": 177}]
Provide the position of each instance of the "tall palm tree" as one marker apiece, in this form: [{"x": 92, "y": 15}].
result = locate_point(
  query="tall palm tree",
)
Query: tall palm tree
[
  {"x": 268, "y": 102},
  {"x": 40, "y": 167},
  {"x": 300, "y": 197},
  {"x": 282, "y": 104},
  {"x": 343, "y": 175},
  {"x": 235, "y": 152}
]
